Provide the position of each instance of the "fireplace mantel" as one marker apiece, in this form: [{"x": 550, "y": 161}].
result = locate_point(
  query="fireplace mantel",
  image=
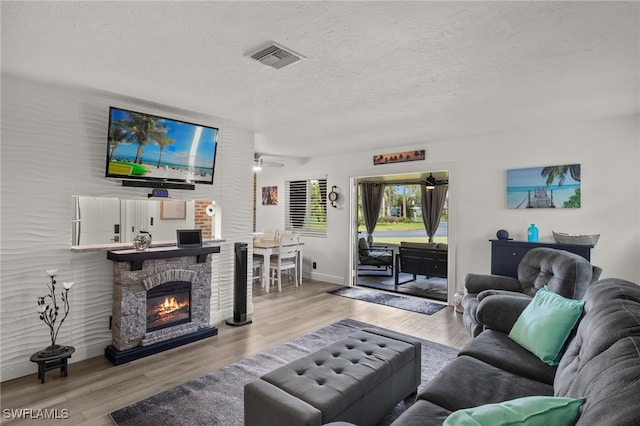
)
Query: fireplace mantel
[{"x": 137, "y": 258}]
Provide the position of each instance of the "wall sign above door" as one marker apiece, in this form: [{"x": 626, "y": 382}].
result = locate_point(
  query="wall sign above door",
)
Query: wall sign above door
[{"x": 399, "y": 157}]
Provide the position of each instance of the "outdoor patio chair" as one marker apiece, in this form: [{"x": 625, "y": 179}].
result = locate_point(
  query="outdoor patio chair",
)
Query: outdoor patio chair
[{"x": 375, "y": 255}]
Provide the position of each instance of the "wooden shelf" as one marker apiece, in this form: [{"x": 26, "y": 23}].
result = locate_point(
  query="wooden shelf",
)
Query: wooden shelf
[{"x": 137, "y": 258}]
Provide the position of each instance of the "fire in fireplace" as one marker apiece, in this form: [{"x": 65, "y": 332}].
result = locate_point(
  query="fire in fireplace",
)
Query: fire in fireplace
[{"x": 168, "y": 304}]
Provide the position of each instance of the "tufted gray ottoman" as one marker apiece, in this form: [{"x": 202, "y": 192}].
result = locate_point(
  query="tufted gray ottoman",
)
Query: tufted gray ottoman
[{"x": 358, "y": 379}]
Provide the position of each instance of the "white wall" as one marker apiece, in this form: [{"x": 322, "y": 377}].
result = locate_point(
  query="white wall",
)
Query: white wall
[
  {"x": 53, "y": 146},
  {"x": 607, "y": 150}
]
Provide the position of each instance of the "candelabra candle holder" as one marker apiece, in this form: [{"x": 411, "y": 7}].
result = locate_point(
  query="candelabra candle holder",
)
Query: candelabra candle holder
[{"x": 49, "y": 309}]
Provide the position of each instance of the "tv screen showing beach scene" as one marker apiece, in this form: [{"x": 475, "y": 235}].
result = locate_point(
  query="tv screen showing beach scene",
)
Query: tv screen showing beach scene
[
  {"x": 544, "y": 187},
  {"x": 147, "y": 147}
]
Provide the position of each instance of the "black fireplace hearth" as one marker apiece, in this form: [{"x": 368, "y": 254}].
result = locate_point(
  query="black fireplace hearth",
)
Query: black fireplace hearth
[{"x": 117, "y": 357}]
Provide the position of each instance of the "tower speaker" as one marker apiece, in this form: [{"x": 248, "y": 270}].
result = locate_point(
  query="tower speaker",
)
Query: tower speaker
[{"x": 240, "y": 287}]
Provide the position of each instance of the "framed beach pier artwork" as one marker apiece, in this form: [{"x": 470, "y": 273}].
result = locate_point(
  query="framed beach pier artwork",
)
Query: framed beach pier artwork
[{"x": 551, "y": 187}]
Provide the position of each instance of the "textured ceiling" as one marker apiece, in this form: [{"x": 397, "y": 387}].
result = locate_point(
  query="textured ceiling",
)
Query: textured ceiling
[{"x": 378, "y": 73}]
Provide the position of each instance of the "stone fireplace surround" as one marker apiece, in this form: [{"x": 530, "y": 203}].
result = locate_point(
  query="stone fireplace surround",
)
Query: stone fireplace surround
[{"x": 135, "y": 273}]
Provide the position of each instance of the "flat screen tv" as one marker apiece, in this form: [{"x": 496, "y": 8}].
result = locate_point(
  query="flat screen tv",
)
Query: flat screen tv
[{"x": 146, "y": 147}]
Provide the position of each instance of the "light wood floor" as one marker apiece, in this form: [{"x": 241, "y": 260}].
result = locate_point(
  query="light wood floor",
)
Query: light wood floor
[{"x": 94, "y": 387}]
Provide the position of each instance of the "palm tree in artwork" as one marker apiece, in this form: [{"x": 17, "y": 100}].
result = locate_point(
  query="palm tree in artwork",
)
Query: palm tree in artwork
[
  {"x": 144, "y": 129},
  {"x": 560, "y": 172},
  {"x": 163, "y": 140},
  {"x": 117, "y": 134}
]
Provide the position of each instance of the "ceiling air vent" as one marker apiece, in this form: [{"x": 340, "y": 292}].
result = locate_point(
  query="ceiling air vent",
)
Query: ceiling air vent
[{"x": 276, "y": 56}]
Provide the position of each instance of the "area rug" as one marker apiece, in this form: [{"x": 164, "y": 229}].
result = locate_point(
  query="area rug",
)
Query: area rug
[
  {"x": 430, "y": 287},
  {"x": 400, "y": 302},
  {"x": 433, "y": 288},
  {"x": 217, "y": 397}
]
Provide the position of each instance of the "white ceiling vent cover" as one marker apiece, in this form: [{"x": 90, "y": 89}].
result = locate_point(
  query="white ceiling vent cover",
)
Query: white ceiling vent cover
[{"x": 276, "y": 56}]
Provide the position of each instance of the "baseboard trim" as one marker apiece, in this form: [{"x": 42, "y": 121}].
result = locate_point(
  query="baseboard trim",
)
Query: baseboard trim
[{"x": 333, "y": 279}]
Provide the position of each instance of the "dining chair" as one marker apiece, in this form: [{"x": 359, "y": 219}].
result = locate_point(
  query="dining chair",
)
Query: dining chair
[
  {"x": 257, "y": 268},
  {"x": 270, "y": 235},
  {"x": 292, "y": 237},
  {"x": 286, "y": 259}
]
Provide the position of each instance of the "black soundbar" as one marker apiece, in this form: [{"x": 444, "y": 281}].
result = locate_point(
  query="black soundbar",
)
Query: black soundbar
[{"x": 158, "y": 184}]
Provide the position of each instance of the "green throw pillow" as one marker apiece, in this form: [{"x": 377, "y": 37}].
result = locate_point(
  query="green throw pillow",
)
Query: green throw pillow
[
  {"x": 529, "y": 411},
  {"x": 545, "y": 324}
]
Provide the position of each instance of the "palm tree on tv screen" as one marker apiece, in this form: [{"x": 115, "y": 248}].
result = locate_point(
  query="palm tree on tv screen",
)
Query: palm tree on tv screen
[
  {"x": 144, "y": 129},
  {"x": 117, "y": 134},
  {"x": 163, "y": 140}
]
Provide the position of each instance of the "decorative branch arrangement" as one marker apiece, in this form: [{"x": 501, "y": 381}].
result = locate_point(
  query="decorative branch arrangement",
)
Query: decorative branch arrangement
[{"x": 48, "y": 309}]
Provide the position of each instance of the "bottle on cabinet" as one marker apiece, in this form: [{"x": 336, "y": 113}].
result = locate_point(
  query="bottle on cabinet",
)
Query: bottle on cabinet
[{"x": 532, "y": 234}]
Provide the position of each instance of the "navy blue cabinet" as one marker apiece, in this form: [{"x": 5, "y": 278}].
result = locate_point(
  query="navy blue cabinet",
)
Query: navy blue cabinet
[{"x": 507, "y": 254}]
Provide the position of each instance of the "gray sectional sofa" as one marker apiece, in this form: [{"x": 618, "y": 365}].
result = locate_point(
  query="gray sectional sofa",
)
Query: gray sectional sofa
[
  {"x": 601, "y": 362},
  {"x": 565, "y": 273}
]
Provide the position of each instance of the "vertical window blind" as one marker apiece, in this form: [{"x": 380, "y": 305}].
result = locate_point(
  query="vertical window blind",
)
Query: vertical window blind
[{"x": 306, "y": 206}]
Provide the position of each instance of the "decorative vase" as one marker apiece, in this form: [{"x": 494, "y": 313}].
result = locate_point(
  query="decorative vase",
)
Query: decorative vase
[
  {"x": 502, "y": 234},
  {"x": 532, "y": 234},
  {"x": 142, "y": 241},
  {"x": 457, "y": 301}
]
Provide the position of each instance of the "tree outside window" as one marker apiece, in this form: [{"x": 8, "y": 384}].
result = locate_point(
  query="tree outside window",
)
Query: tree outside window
[{"x": 400, "y": 211}]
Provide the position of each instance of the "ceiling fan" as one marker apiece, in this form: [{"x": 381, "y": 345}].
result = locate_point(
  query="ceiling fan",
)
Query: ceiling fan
[
  {"x": 258, "y": 162},
  {"x": 431, "y": 182}
]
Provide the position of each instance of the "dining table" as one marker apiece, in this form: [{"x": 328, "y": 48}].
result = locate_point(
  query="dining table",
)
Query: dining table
[{"x": 268, "y": 248}]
